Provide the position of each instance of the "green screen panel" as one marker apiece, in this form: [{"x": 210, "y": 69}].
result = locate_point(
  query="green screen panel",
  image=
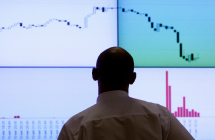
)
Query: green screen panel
[{"x": 168, "y": 33}]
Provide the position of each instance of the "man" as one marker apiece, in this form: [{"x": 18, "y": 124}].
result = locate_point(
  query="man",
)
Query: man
[{"x": 116, "y": 116}]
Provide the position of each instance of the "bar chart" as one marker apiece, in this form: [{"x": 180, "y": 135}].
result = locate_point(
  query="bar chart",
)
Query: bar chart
[
  {"x": 188, "y": 93},
  {"x": 182, "y": 111},
  {"x": 43, "y": 99}
]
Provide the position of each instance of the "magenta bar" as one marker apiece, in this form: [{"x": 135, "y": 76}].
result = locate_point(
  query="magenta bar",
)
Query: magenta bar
[
  {"x": 198, "y": 114},
  {"x": 179, "y": 114},
  {"x": 195, "y": 114},
  {"x": 182, "y": 112},
  {"x": 187, "y": 115},
  {"x": 192, "y": 113},
  {"x": 170, "y": 98},
  {"x": 184, "y": 107},
  {"x": 167, "y": 101},
  {"x": 176, "y": 115}
]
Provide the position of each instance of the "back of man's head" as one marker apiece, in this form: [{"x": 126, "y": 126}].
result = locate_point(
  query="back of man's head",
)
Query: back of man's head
[{"x": 115, "y": 67}]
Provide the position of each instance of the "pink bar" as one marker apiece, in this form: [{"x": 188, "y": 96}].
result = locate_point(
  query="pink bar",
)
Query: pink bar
[
  {"x": 195, "y": 114},
  {"x": 182, "y": 112},
  {"x": 170, "y": 98},
  {"x": 187, "y": 115},
  {"x": 167, "y": 101},
  {"x": 179, "y": 114},
  {"x": 184, "y": 107},
  {"x": 176, "y": 115},
  {"x": 198, "y": 114},
  {"x": 192, "y": 113}
]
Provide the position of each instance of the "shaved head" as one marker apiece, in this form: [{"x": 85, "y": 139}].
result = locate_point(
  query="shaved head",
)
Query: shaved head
[{"x": 114, "y": 68}]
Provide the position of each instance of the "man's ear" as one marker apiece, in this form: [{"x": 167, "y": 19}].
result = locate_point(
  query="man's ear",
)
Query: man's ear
[
  {"x": 95, "y": 74},
  {"x": 133, "y": 78}
]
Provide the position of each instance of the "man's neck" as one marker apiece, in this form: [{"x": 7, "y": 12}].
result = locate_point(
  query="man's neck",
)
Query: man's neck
[{"x": 105, "y": 89}]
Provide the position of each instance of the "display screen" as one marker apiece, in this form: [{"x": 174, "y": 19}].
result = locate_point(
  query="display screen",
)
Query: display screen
[
  {"x": 49, "y": 47},
  {"x": 56, "y": 32},
  {"x": 36, "y": 102},
  {"x": 170, "y": 33}
]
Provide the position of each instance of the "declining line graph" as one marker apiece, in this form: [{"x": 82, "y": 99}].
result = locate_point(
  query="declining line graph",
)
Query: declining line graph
[
  {"x": 167, "y": 33},
  {"x": 156, "y": 28}
]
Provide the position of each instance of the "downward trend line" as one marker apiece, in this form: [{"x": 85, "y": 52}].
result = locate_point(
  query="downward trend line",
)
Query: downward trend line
[{"x": 155, "y": 26}]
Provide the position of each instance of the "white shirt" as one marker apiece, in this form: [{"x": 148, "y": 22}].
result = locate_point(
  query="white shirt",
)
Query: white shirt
[{"x": 116, "y": 116}]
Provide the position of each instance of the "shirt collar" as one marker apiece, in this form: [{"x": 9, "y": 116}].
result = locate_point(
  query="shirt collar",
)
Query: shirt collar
[{"x": 111, "y": 94}]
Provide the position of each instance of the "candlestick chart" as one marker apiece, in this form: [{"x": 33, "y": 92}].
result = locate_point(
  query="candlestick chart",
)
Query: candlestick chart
[
  {"x": 167, "y": 33},
  {"x": 56, "y": 33}
]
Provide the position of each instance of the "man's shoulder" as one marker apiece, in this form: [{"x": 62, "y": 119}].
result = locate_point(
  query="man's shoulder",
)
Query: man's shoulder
[
  {"x": 78, "y": 119},
  {"x": 133, "y": 103},
  {"x": 126, "y": 106}
]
